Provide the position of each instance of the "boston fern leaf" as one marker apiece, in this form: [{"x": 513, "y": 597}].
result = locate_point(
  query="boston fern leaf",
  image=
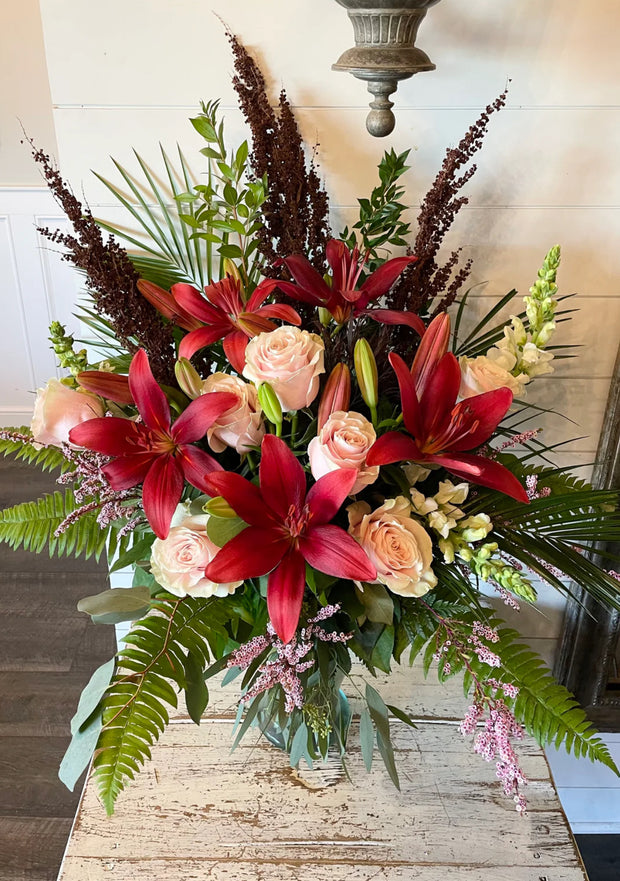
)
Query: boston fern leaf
[
  {"x": 135, "y": 707},
  {"x": 47, "y": 458},
  {"x": 32, "y": 526},
  {"x": 548, "y": 711}
]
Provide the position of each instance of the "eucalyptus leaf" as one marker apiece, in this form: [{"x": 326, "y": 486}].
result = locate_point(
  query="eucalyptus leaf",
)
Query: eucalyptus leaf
[
  {"x": 367, "y": 738},
  {"x": 92, "y": 693},
  {"x": 79, "y": 752},
  {"x": 196, "y": 692},
  {"x": 116, "y": 605},
  {"x": 298, "y": 746}
]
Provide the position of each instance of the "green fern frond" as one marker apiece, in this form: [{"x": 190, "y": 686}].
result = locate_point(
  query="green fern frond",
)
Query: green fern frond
[
  {"x": 47, "y": 458},
  {"x": 548, "y": 711},
  {"x": 135, "y": 707},
  {"x": 32, "y": 526}
]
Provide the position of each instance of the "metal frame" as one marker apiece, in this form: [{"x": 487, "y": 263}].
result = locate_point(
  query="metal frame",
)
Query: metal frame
[{"x": 591, "y": 633}]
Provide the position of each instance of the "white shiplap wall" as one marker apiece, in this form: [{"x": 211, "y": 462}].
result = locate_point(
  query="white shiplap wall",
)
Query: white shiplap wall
[{"x": 128, "y": 74}]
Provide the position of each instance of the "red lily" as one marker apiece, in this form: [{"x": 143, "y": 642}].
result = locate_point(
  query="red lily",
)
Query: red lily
[
  {"x": 155, "y": 452},
  {"x": 112, "y": 386},
  {"x": 287, "y": 528},
  {"x": 442, "y": 430},
  {"x": 227, "y": 317},
  {"x": 343, "y": 298}
]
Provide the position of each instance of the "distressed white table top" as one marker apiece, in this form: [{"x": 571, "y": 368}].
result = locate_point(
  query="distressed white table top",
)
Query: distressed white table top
[{"x": 199, "y": 812}]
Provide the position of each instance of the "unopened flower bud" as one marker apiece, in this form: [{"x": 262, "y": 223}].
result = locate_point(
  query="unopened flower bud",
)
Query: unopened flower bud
[
  {"x": 336, "y": 394},
  {"x": 325, "y": 316},
  {"x": 270, "y": 404},
  {"x": 230, "y": 269},
  {"x": 188, "y": 378},
  {"x": 219, "y": 507},
  {"x": 366, "y": 372}
]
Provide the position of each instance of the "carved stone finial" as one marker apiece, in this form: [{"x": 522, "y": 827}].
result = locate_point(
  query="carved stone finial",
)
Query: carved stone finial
[{"x": 385, "y": 52}]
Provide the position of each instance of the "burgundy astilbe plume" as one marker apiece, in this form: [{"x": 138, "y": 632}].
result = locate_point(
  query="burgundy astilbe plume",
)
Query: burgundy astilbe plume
[
  {"x": 428, "y": 285},
  {"x": 111, "y": 277},
  {"x": 295, "y": 213}
]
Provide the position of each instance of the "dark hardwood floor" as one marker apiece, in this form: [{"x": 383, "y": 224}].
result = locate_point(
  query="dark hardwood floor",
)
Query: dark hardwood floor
[{"x": 48, "y": 651}]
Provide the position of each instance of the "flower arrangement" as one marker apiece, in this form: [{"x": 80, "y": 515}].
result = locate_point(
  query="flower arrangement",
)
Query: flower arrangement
[{"x": 305, "y": 457}]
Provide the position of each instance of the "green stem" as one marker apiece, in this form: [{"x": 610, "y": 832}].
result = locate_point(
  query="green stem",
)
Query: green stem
[{"x": 294, "y": 419}]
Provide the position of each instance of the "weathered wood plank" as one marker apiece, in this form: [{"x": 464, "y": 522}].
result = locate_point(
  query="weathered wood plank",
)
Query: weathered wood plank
[
  {"x": 246, "y": 813},
  {"x": 193, "y": 869}
]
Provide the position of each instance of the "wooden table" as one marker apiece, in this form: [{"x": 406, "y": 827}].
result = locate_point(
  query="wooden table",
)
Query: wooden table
[{"x": 197, "y": 812}]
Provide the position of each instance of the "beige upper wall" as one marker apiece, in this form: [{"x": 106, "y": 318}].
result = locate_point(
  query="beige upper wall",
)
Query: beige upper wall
[{"x": 24, "y": 92}]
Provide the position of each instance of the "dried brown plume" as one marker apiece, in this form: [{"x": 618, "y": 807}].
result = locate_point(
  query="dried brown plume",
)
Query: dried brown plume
[
  {"x": 111, "y": 277},
  {"x": 427, "y": 286},
  {"x": 296, "y": 211}
]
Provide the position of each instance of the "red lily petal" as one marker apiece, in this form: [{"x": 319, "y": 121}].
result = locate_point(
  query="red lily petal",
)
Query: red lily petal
[
  {"x": 165, "y": 303},
  {"x": 225, "y": 295},
  {"x": 392, "y": 316},
  {"x": 128, "y": 471},
  {"x": 161, "y": 493},
  {"x": 243, "y": 497},
  {"x": 261, "y": 292},
  {"x": 485, "y": 472},
  {"x": 253, "y": 323},
  {"x": 412, "y": 415},
  {"x": 382, "y": 279},
  {"x": 150, "y": 399},
  {"x": 112, "y": 386},
  {"x": 440, "y": 394},
  {"x": 109, "y": 435},
  {"x": 281, "y": 311},
  {"x": 331, "y": 550},
  {"x": 285, "y": 593},
  {"x": 328, "y": 494},
  {"x": 307, "y": 278},
  {"x": 235, "y": 344},
  {"x": 487, "y": 410},
  {"x": 282, "y": 479},
  {"x": 199, "y": 416},
  {"x": 196, "y": 465},
  {"x": 191, "y": 301},
  {"x": 253, "y": 552},
  {"x": 393, "y": 447},
  {"x": 341, "y": 261},
  {"x": 205, "y": 336},
  {"x": 296, "y": 292},
  {"x": 432, "y": 348}
]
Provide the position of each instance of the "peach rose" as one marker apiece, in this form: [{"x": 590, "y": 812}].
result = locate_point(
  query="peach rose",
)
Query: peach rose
[
  {"x": 343, "y": 442},
  {"x": 397, "y": 545},
  {"x": 58, "y": 409},
  {"x": 290, "y": 360},
  {"x": 240, "y": 427},
  {"x": 479, "y": 375},
  {"x": 178, "y": 562}
]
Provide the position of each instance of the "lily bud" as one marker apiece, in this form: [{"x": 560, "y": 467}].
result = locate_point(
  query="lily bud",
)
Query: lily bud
[
  {"x": 366, "y": 372},
  {"x": 336, "y": 395},
  {"x": 270, "y": 404},
  {"x": 219, "y": 507},
  {"x": 325, "y": 316},
  {"x": 111, "y": 386},
  {"x": 188, "y": 378},
  {"x": 230, "y": 269}
]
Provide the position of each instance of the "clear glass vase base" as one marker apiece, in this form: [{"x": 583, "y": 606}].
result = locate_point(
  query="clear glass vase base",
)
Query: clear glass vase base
[{"x": 322, "y": 775}]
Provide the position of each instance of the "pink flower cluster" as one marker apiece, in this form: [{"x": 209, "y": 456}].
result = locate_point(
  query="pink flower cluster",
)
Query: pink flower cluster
[
  {"x": 288, "y": 663},
  {"x": 93, "y": 483},
  {"x": 479, "y": 632},
  {"x": 493, "y": 742}
]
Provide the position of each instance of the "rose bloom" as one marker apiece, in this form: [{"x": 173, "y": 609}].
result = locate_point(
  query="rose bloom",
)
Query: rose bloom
[
  {"x": 58, "y": 409},
  {"x": 479, "y": 375},
  {"x": 343, "y": 442},
  {"x": 290, "y": 360},
  {"x": 397, "y": 545},
  {"x": 178, "y": 562},
  {"x": 241, "y": 427}
]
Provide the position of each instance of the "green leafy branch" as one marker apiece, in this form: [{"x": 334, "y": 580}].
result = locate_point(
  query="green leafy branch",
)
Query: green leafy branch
[{"x": 380, "y": 220}]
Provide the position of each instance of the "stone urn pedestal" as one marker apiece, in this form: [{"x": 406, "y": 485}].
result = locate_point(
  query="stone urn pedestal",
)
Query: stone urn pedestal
[{"x": 385, "y": 52}]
